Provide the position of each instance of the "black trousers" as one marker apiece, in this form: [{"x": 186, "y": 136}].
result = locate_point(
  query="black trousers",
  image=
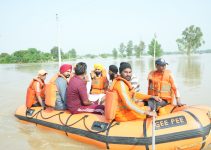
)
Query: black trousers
[
  {"x": 155, "y": 105},
  {"x": 36, "y": 104}
]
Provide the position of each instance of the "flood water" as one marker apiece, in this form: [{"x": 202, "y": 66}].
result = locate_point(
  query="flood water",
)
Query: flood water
[{"x": 192, "y": 75}]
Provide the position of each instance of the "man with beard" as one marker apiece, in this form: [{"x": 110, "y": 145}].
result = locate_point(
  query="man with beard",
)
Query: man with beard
[
  {"x": 56, "y": 89},
  {"x": 99, "y": 79},
  {"x": 134, "y": 81},
  {"x": 127, "y": 109}
]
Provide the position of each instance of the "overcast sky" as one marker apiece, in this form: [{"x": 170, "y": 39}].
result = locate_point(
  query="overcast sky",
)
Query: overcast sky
[{"x": 98, "y": 26}]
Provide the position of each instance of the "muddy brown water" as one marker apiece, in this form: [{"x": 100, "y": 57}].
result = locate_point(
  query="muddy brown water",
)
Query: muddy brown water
[{"x": 192, "y": 75}]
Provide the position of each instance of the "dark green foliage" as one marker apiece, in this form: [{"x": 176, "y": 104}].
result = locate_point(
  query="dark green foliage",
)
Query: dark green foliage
[
  {"x": 129, "y": 49},
  {"x": 5, "y": 58},
  {"x": 191, "y": 40},
  {"x": 55, "y": 54},
  {"x": 27, "y": 56},
  {"x": 139, "y": 49},
  {"x": 114, "y": 53},
  {"x": 122, "y": 49},
  {"x": 32, "y": 55},
  {"x": 105, "y": 55},
  {"x": 72, "y": 53},
  {"x": 154, "y": 44}
]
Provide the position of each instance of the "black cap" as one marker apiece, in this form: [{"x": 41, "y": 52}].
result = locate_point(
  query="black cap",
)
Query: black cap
[
  {"x": 113, "y": 68},
  {"x": 123, "y": 66},
  {"x": 161, "y": 62}
]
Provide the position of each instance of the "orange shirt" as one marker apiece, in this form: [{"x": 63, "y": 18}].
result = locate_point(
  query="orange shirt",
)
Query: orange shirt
[
  {"x": 127, "y": 109},
  {"x": 39, "y": 88},
  {"x": 162, "y": 84},
  {"x": 35, "y": 89}
]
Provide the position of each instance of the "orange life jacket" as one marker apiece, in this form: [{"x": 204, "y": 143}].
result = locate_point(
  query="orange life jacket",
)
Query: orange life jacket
[
  {"x": 159, "y": 85},
  {"x": 111, "y": 103},
  {"x": 122, "y": 110},
  {"x": 52, "y": 90},
  {"x": 31, "y": 92},
  {"x": 99, "y": 84}
]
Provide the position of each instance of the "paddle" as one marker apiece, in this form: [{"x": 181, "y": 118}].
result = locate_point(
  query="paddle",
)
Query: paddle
[{"x": 153, "y": 118}]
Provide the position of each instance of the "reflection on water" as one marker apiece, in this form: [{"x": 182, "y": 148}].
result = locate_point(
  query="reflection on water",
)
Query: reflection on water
[
  {"x": 115, "y": 62},
  {"x": 46, "y": 139},
  {"x": 140, "y": 65},
  {"x": 190, "y": 69},
  {"x": 33, "y": 68},
  {"x": 151, "y": 64},
  {"x": 27, "y": 67}
]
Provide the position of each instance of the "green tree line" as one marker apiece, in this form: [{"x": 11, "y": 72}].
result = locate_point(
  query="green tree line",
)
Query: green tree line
[
  {"x": 32, "y": 55},
  {"x": 191, "y": 40}
]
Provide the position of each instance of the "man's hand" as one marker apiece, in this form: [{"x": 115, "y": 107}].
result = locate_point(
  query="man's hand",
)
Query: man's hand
[
  {"x": 158, "y": 99},
  {"x": 43, "y": 104},
  {"x": 151, "y": 113},
  {"x": 178, "y": 102},
  {"x": 87, "y": 102},
  {"x": 93, "y": 75}
]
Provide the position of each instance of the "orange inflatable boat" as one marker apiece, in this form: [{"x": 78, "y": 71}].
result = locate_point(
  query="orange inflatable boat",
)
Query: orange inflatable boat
[{"x": 181, "y": 128}]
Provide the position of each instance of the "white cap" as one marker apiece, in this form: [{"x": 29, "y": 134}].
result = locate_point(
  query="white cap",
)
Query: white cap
[{"x": 42, "y": 72}]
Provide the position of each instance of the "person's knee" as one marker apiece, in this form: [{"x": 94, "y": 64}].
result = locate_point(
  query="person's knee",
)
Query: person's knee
[
  {"x": 163, "y": 103},
  {"x": 151, "y": 104}
]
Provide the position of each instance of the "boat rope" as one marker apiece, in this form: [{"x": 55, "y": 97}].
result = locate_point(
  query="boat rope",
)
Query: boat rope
[
  {"x": 69, "y": 125},
  {"x": 173, "y": 109},
  {"x": 35, "y": 115},
  {"x": 82, "y": 118},
  {"x": 145, "y": 132},
  {"x": 66, "y": 125},
  {"x": 68, "y": 119},
  {"x": 50, "y": 116},
  {"x": 66, "y": 122},
  {"x": 107, "y": 132}
]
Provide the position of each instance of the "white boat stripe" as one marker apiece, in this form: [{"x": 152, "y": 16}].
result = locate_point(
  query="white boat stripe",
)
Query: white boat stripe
[{"x": 128, "y": 101}]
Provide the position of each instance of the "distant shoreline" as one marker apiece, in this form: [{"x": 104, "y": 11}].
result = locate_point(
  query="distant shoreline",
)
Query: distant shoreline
[{"x": 110, "y": 56}]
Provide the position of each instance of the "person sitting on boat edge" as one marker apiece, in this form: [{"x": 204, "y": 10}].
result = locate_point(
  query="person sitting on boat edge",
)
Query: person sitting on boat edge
[
  {"x": 127, "y": 109},
  {"x": 77, "y": 96},
  {"x": 161, "y": 83},
  {"x": 35, "y": 95},
  {"x": 56, "y": 88},
  {"x": 99, "y": 83}
]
